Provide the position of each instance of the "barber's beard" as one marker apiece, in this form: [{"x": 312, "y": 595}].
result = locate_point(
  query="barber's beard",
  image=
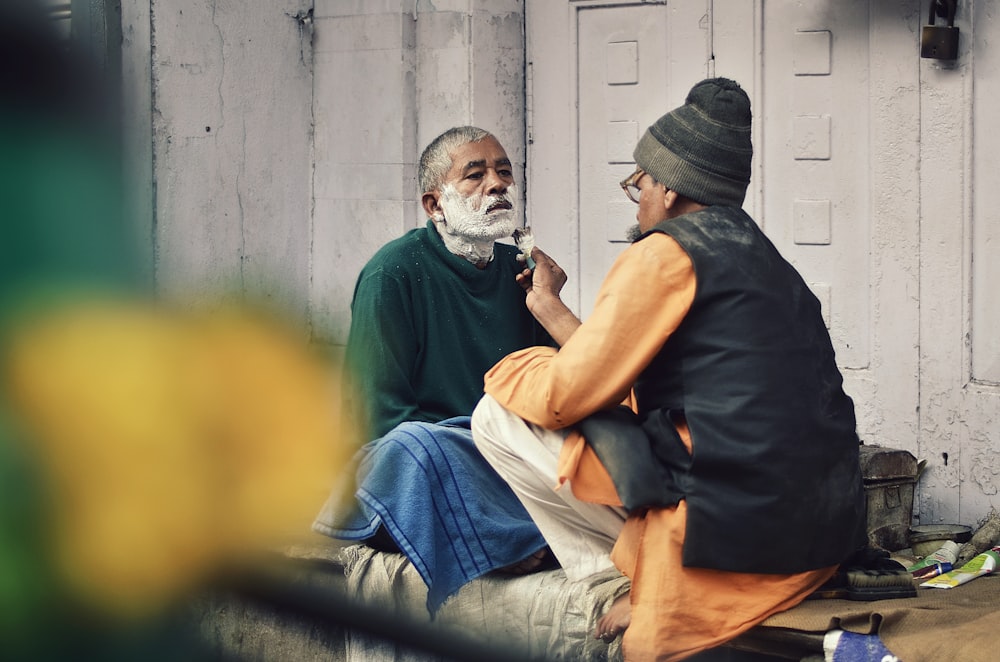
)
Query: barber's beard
[
  {"x": 633, "y": 232},
  {"x": 469, "y": 228}
]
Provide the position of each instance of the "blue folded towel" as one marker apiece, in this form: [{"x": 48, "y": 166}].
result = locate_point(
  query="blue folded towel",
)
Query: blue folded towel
[
  {"x": 443, "y": 504},
  {"x": 843, "y": 646}
]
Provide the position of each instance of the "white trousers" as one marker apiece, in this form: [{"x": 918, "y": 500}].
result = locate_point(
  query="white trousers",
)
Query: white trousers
[{"x": 580, "y": 534}]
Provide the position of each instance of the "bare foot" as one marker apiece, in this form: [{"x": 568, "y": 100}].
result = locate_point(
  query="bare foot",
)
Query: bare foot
[
  {"x": 615, "y": 621},
  {"x": 527, "y": 565}
]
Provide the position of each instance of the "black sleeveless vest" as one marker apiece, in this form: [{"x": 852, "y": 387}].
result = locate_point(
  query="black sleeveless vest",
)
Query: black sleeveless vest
[{"x": 774, "y": 484}]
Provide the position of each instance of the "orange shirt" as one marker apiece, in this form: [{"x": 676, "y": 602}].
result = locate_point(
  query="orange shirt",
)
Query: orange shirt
[{"x": 676, "y": 611}]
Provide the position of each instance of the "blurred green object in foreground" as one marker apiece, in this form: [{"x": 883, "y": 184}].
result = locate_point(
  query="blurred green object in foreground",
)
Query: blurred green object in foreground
[
  {"x": 25, "y": 581},
  {"x": 62, "y": 230}
]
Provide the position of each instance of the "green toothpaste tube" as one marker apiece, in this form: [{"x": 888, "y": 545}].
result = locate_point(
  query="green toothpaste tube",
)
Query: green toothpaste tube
[
  {"x": 981, "y": 565},
  {"x": 946, "y": 554}
]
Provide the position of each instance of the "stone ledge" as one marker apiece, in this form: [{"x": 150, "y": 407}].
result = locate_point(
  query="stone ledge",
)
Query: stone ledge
[
  {"x": 298, "y": 614},
  {"x": 238, "y": 625}
]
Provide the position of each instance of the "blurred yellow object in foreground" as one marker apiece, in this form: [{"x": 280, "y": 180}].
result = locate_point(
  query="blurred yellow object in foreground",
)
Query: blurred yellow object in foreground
[{"x": 173, "y": 445}]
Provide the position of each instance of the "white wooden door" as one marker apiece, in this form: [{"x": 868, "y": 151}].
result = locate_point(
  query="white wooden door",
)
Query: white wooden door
[
  {"x": 622, "y": 85},
  {"x": 878, "y": 178},
  {"x": 599, "y": 73},
  {"x": 839, "y": 158},
  {"x": 835, "y": 175}
]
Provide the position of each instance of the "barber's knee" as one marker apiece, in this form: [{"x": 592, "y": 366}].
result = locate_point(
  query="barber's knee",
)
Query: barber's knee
[{"x": 484, "y": 418}]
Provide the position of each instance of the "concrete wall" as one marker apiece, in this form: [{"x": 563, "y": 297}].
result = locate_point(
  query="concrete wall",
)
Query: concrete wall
[{"x": 230, "y": 101}]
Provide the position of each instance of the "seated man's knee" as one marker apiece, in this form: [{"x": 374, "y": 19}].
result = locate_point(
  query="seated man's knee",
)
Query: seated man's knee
[{"x": 405, "y": 429}]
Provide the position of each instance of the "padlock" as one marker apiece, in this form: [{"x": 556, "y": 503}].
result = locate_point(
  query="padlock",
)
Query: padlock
[{"x": 938, "y": 41}]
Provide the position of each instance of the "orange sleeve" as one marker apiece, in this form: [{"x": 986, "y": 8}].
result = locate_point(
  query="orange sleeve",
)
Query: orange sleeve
[{"x": 642, "y": 301}]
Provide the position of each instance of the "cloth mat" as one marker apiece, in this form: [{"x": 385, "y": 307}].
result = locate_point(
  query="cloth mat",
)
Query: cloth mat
[
  {"x": 543, "y": 614},
  {"x": 442, "y": 503},
  {"x": 961, "y": 623}
]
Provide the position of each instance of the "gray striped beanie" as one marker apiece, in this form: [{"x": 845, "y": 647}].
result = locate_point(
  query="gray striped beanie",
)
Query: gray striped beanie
[{"x": 702, "y": 150}]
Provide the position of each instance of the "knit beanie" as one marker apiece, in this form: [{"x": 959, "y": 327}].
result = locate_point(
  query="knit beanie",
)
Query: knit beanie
[{"x": 702, "y": 150}]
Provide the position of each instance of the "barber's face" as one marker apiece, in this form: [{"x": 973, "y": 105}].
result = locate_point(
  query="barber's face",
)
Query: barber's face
[{"x": 478, "y": 199}]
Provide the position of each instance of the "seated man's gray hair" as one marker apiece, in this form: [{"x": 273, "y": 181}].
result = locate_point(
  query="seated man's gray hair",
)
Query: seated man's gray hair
[{"x": 435, "y": 162}]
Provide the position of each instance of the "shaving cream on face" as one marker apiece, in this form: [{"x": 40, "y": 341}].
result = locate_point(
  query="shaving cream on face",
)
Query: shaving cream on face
[{"x": 468, "y": 228}]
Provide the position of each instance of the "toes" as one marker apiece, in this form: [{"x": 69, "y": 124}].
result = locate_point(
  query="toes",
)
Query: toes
[{"x": 537, "y": 561}]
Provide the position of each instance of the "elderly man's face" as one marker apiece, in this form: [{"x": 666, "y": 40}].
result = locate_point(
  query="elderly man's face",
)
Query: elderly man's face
[
  {"x": 477, "y": 198},
  {"x": 480, "y": 168}
]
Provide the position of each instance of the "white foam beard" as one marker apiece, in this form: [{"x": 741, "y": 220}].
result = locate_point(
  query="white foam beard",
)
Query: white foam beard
[{"x": 468, "y": 227}]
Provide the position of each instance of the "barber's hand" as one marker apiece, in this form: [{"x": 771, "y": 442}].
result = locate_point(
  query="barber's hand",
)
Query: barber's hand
[
  {"x": 547, "y": 278},
  {"x": 543, "y": 285}
]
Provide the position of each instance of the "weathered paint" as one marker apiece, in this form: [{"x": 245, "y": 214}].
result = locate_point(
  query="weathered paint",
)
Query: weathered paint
[{"x": 232, "y": 143}]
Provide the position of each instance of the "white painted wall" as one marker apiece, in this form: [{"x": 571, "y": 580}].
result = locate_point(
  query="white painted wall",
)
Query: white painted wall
[
  {"x": 280, "y": 153},
  {"x": 907, "y": 271},
  {"x": 959, "y": 355},
  {"x": 225, "y": 88}
]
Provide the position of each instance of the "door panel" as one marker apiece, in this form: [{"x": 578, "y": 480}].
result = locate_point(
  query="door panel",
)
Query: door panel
[
  {"x": 622, "y": 83},
  {"x": 816, "y": 160}
]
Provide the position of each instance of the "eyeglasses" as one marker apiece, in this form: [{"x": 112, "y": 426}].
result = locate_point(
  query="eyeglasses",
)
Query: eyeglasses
[{"x": 631, "y": 185}]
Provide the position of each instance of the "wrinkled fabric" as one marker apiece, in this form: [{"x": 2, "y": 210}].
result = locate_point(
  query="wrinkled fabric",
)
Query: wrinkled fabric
[
  {"x": 676, "y": 611},
  {"x": 841, "y": 646},
  {"x": 542, "y": 614},
  {"x": 443, "y": 505},
  {"x": 753, "y": 372}
]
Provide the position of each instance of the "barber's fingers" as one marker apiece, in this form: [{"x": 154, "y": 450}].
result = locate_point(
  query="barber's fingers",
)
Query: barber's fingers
[
  {"x": 524, "y": 279},
  {"x": 548, "y": 273},
  {"x": 541, "y": 257}
]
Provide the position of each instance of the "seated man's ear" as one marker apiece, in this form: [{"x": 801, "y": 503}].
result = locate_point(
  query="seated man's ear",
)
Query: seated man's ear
[{"x": 429, "y": 201}]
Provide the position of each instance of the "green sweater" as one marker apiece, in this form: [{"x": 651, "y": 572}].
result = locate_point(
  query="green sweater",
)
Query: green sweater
[{"x": 427, "y": 324}]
